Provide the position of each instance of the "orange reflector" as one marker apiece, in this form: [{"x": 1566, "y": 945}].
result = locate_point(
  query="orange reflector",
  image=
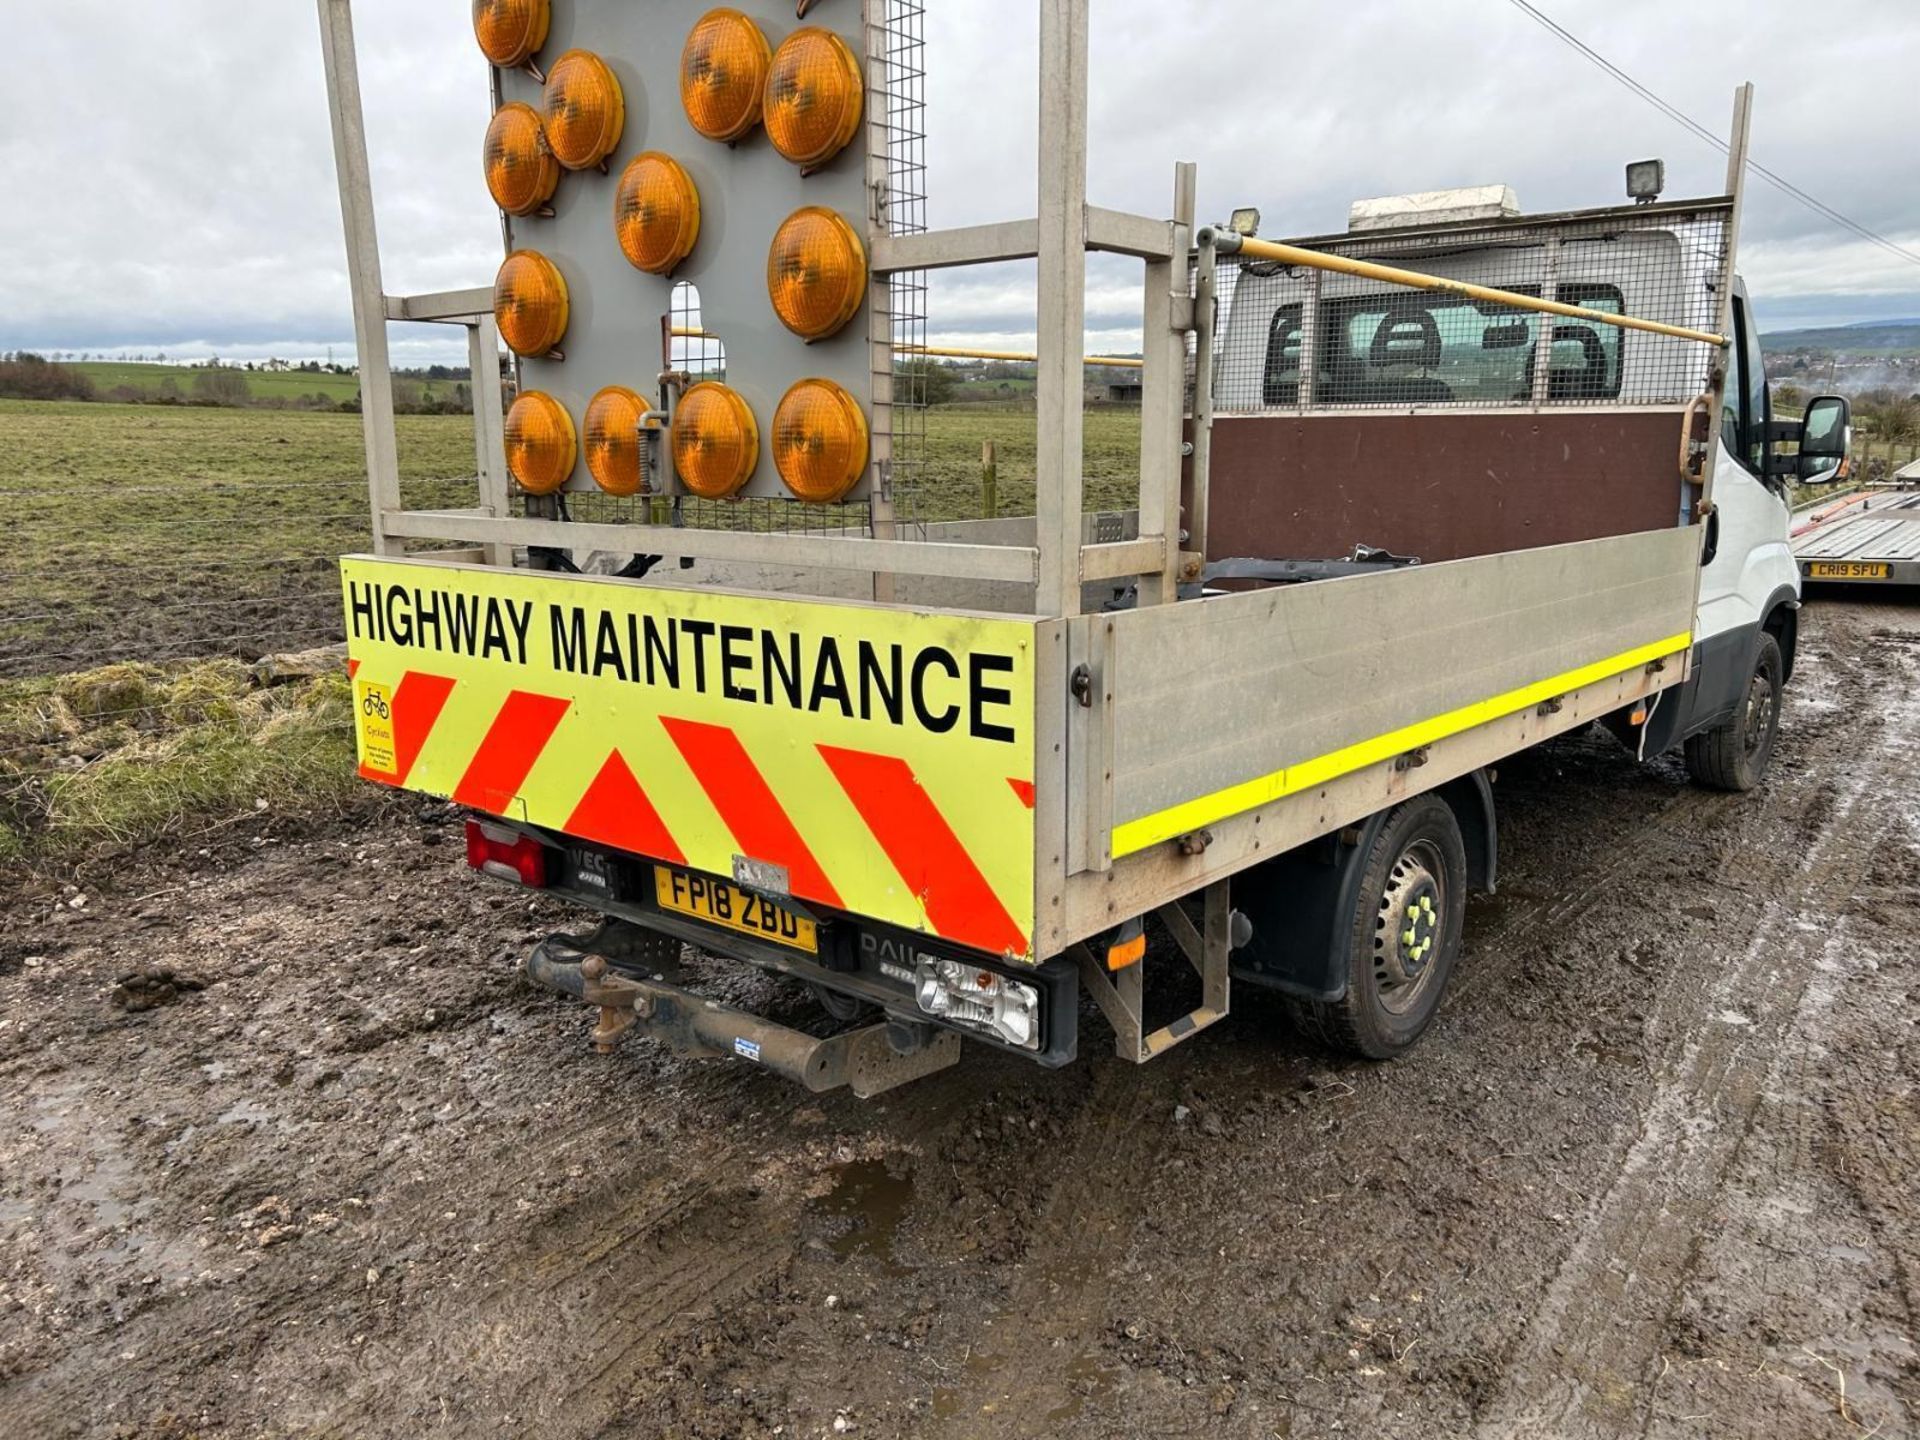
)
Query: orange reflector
[
  {"x": 816, "y": 273},
  {"x": 541, "y": 446},
  {"x": 723, "y": 74},
  {"x": 819, "y": 441},
  {"x": 716, "y": 445},
  {"x": 511, "y": 32},
  {"x": 1639, "y": 716},
  {"x": 613, "y": 440},
  {"x": 585, "y": 110},
  {"x": 814, "y": 96},
  {"x": 1127, "y": 952},
  {"x": 521, "y": 171},
  {"x": 530, "y": 303},
  {"x": 656, "y": 213}
]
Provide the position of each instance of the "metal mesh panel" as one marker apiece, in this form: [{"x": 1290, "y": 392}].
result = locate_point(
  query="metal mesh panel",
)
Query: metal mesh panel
[
  {"x": 1379, "y": 346},
  {"x": 902, "y": 42}
]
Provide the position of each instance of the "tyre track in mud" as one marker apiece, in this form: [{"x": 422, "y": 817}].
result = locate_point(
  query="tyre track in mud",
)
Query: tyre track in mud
[
  {"x": 1594, "y": 1344},
  {"x": 1045, "y": 1338}
]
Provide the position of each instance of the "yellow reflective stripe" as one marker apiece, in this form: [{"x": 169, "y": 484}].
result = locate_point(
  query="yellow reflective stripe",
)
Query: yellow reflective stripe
[{"x": 1182, "y": 819}]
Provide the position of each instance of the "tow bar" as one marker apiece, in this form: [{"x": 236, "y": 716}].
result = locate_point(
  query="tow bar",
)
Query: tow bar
[{"x": 871, "y": 1059}]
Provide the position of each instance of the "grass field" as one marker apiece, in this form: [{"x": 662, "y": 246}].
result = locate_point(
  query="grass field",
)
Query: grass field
[
  {"x": 109, "y": 375},
  {"x": 145, "y": 532}
]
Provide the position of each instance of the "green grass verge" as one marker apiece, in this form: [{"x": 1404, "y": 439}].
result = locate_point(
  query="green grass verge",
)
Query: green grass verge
[
  {"x": 149, "y": 379},
  {"x": 104, "y": 761}
]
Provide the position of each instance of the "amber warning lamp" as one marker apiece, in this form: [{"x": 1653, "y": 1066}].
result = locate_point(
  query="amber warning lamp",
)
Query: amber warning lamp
[
  {"x": 816, "y": 273},
  {"x": 814, "y": 97},
  {"x": 656, "y": 213},
  {"x": 819, "y": 441},
  {"x": 723, "y": 75},
  {"x": 511, "y": 32},
  {"x": 522, "y": 173},
  {"x": 616, "y": 454},
  {"x": 540, "y": 443},
  {"x": 716, "y": 445},
  {"x": 586, "y": 111},
  {"x": 530, "y": 305}
]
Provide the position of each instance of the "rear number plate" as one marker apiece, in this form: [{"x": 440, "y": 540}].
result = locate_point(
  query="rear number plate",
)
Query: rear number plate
[
  {"x": 719, "y": 903},
  {"x": 1848, "y": 570}
]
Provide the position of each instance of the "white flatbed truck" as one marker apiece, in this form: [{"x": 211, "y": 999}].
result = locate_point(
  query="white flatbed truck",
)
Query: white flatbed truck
[{"x": 1411, "y": 498}]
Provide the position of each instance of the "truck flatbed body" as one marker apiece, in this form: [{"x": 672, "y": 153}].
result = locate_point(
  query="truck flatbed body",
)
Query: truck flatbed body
[{"x": 1873, "y": 538}]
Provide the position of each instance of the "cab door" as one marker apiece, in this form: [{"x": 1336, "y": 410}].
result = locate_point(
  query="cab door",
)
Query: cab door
[{"x": 1750, "y": 560}]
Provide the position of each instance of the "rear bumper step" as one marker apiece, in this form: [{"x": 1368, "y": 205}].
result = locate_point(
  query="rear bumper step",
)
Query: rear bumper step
[{"x": 870, "y": 1060}]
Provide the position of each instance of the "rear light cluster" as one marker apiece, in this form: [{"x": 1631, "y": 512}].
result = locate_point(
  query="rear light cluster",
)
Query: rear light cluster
[
  {"x": 507, "y": 854},
  {"x": 809, "y": 96},
  {"x": 977, "y": 999}
]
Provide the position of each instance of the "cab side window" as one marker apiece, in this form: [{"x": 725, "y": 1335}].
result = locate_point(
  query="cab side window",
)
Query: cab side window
[
  {"x": 1743, "y": 424},
  {"x": 1759, "y": 412}
]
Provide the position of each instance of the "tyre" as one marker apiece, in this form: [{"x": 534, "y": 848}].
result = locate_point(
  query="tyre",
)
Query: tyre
[
  {"x": 1735, "y": 754},
  {"x": 1403, "y": 936},
  {"x": 844, "y": 1008}
]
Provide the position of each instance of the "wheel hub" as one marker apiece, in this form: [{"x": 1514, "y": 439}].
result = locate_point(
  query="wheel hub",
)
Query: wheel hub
[
  {"x": 1407, "y": 934},
  {"x": 1760, "y": 703}
]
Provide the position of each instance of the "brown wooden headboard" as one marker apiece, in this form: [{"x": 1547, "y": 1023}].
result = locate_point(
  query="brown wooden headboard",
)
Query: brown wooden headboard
[{"x": 1440, "y": 486}]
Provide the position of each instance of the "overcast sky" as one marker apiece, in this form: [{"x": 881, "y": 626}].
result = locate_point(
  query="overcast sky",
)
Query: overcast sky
[{"x": 168, "y": 172}]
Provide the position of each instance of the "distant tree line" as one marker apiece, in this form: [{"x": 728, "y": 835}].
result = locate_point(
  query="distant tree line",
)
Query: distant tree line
[
  {"x": 437, "y": 390},
  {"x": 26, "y": 376}
]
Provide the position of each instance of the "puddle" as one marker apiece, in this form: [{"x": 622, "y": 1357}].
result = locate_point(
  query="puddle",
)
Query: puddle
[
  {"x": 1611, "y": 1054},
  {"x": 874, "y": 1203},
  {"x": 245, "y": 1112},
  {"x": 1486, "y": 913},
  {"x": 1084, "y": 1377},
  {"x": 947, "y": 1401},
  {"x": 1085, "y": 1381}
]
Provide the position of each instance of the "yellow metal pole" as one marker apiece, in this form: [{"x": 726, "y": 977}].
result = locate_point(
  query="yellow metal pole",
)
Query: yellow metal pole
[
  {"x": 1118, "y": 362},
  {"x": 1415, "y": 279}
]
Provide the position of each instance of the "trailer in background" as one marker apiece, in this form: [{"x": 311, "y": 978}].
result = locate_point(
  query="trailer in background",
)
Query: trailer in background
[{"x": 1870, "y": 537}]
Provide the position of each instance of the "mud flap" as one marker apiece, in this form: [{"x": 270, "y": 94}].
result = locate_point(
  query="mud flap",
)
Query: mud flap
[{"x": 1301, "y": 905}]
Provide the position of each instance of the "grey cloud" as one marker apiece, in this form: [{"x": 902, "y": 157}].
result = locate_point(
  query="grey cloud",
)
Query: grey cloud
[{"x": 169, "y": 174}]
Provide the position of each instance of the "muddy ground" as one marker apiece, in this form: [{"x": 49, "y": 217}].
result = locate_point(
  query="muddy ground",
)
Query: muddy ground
[{"x": 1653, "y": 1173}]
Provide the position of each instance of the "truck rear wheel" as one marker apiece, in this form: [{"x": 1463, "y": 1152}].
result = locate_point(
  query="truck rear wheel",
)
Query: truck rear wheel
[
  {"x": 1403, "y": 937},
  {"x": 1735, "y": 754}
]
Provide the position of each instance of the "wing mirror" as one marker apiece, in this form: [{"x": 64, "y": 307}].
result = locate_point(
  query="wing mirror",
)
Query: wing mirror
[{"x": 1826, "y": 437}]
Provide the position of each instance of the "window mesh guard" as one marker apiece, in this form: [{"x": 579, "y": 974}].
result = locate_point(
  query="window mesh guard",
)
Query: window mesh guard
[{"x": 1380, "y": 346}]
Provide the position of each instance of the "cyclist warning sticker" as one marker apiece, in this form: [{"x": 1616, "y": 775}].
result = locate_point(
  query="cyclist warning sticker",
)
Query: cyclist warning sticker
[{"x": 373, "y": 717}]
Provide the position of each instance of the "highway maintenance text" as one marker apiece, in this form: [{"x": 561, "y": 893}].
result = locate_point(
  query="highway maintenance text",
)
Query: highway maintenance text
[{"x": 927, "y": 685}]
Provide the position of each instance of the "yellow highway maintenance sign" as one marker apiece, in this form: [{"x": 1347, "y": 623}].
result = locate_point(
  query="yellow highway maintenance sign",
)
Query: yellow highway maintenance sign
[{"x": 881, "y": 758}]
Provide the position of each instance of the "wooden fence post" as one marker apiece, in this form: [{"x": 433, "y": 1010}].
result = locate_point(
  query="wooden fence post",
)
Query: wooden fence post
[{"x": 989, "y": 482}]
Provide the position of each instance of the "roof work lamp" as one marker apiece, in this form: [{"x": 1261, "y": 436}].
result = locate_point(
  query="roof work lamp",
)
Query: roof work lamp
[{"x": 1645, "y": 180}]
